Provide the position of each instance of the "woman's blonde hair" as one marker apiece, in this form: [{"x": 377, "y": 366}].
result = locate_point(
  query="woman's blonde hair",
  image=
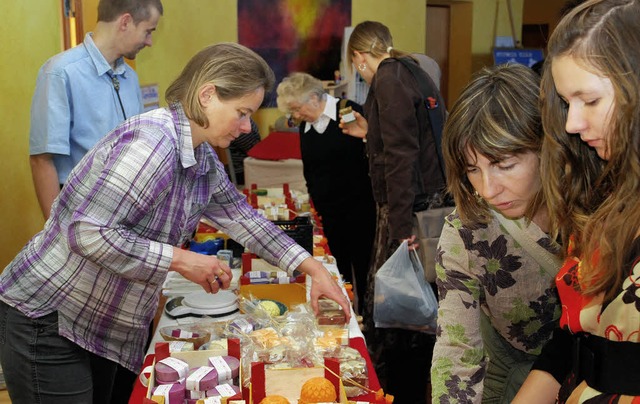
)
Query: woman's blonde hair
[
  {"x": 596, "y": 203},
  {"x": 372, "y": 37},
  {"x": 298, "y": 87},
  {"x": 234, "y": 69},
  {"x": 497, "y": 115}
]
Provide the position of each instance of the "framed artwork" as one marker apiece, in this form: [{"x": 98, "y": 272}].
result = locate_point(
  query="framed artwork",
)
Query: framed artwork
[{"x": 295, "y": 35}]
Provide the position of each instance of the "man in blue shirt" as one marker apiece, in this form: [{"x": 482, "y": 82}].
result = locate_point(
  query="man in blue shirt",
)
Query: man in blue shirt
[{"x": 83, "y": 93}]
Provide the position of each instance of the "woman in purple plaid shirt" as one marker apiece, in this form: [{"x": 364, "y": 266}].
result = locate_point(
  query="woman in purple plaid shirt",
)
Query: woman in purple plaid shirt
[{"x": 78, "y": 299}]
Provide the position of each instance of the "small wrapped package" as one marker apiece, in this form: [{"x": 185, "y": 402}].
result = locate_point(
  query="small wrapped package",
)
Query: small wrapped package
[
  {"x": 172, "y": 393},
  {"x": 171, "y": 370}
]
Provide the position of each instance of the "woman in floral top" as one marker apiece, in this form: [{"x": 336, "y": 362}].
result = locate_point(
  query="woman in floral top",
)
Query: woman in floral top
[
  {"x": 496, "y": 265},
  {"x": 591, "y": 166}
]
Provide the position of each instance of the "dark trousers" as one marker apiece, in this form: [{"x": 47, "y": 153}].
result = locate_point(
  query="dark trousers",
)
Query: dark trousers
[
  {"x": 402, "y": 359},
  {"x": 40, "y": 366},
  {"x": 350, "y": 234}
]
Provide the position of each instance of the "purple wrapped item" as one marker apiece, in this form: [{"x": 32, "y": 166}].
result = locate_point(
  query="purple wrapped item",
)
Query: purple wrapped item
[
  {"x": 202, "y": 379},
  {"x": 172, "y": 393}
]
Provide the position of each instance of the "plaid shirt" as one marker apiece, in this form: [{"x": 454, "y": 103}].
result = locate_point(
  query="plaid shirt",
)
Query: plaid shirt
[{"x": 102, "y": 256}]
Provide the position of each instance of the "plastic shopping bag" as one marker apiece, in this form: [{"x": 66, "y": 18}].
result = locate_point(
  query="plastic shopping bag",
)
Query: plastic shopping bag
[{"x": 403, "y": 299}]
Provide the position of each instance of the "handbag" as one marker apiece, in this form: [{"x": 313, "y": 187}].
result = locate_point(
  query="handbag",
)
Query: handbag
[
  {"x": 429, "y": 215},
  {"x": 402, "y": 297},
  {"x": 427, "y": 227}
]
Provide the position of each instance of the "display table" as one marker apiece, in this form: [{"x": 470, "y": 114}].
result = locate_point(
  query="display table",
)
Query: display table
[
  {"x": 356, "y": 340},
  {"x": 140, "y": 391}
]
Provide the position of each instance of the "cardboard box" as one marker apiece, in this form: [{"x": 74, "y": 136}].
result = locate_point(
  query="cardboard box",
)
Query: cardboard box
[
  {"x": 288, "y": 382},
  {"x": 290, "y": 294},
  {"x": 194, "y": 359}
]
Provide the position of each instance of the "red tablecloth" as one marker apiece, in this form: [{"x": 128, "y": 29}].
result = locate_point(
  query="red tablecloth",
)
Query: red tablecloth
[{"x": 140, "y": 391}]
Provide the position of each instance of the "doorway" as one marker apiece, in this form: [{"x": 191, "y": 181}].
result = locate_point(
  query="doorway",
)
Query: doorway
[{"x": 448, "y": 42}]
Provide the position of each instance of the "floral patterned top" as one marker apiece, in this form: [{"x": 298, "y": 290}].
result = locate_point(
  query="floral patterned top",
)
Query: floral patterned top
[
  {"x": 618, "y": 320},
  {"x": 485, "y": 268}
]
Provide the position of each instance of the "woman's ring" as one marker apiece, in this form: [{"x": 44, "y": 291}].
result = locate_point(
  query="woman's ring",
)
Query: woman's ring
[{"x": 216, "y": 280}]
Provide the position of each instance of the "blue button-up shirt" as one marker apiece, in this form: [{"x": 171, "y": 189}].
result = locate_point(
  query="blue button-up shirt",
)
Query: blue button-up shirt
[
  {"x": 105, "y": 251},
  {"x": 75, "y": 104}
]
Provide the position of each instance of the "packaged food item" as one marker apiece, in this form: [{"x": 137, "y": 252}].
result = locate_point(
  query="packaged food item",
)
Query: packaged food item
[
  {"x": 330, "y": 313},
  {"x": 202, "y": 378},
  {"x": 227, "y": 367},
  {"x": 241, "y": 325},
  {"x": 225, "y": 390},
  {"x": 181, "y": 346},
  {"x": 172, "y": 393},
  {"x": 347, "y": 115},
  {"x": 226, "y": 256},
  {"x": 171, "y": 370}
]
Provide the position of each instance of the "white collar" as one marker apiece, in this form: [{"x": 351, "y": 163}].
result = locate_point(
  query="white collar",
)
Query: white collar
[{"x": 329, "y": 114}]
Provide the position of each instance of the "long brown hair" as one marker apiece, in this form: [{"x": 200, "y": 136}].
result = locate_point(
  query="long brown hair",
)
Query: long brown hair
[{"x": 593, "y": 202}]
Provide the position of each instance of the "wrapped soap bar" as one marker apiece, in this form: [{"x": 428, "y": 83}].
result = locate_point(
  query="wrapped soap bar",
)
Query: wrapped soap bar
[
  {"x": 227, "y": 367},
  {"x": 180, "y": 333},
  {"x": 172, "y": 393},
  {"x": 202, "y": 378},
  {"x": 171, "y": 369},
  {"x": 180, "y": 346},
  {"x": 224, "y": 390},
  {"x": 243, "y": 325}
]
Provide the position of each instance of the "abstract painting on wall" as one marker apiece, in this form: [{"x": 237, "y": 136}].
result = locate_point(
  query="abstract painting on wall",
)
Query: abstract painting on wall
[{"x": 295, "y": 35}]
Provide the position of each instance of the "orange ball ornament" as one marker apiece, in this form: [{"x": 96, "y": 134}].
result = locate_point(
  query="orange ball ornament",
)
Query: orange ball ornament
[
  {"x": 317, "y": 390},
  {"x": 274, "y": 399}
]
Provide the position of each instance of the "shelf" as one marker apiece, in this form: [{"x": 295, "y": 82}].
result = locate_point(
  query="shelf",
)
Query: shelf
[{"x": 336, "y": 90}]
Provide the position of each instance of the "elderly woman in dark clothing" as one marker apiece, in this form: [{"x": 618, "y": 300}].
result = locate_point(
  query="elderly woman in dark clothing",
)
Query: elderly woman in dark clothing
[{"x": 336, "y": 173}]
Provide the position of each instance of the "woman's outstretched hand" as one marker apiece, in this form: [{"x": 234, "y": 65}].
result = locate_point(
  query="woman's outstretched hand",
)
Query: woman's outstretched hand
[{"x": 323, "y": 284}]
